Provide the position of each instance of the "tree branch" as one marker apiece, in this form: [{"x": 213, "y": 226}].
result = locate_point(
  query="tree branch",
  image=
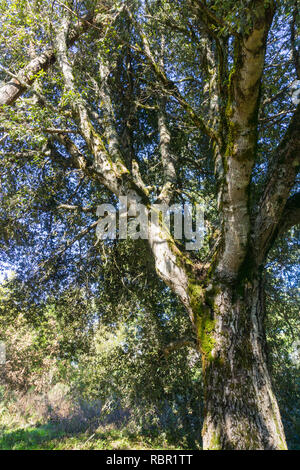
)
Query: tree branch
[
  {"x": 110, "y": 173},
  {"x": 169, "y": 86},
  {"x": 242, "y": 124},
  {"x": 12, "y": 90},
  {"x": 178, "y": 344},
  {"x": 70, "y": 207},
  {"x": 280, "y": 180}
]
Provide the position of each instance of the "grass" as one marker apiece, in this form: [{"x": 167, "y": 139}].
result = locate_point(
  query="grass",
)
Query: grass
[
  {"x": 53, "y": 422},
  {"x": 48, "y": 437}
]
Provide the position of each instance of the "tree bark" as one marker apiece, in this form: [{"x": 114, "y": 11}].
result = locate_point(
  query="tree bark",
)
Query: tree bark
[{"x": 241, "y": 411}]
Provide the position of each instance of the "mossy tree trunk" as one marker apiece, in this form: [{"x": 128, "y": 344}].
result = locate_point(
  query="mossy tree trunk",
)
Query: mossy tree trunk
[{"x": 241, "y": 411}]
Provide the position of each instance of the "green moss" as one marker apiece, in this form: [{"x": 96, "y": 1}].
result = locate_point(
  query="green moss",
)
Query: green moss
[
  {"x": 215, "y": 443},
  {"x": 205, "y": 327},
  {"x": 204, "y": 321},
  {"x": 196, "y": 295}
]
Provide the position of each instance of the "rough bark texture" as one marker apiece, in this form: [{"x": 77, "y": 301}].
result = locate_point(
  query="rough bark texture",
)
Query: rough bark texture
[{"x": 241, "y": 411}]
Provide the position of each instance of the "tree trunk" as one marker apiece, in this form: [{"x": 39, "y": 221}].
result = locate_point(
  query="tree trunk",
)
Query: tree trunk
[{"x": 241, "y": 411}]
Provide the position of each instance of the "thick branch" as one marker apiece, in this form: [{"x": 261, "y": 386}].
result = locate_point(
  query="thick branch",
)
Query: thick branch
[
  {"x": 280, "y": 180},
  {"x": 12, "y": 90},
  {"x": 167, "y": 158},
  {"x": 77, "y": 160},
  {"x": 109, "y": 173},
  {"x": 242, "y": 122},
  {"x": 111, "y": 133}
]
